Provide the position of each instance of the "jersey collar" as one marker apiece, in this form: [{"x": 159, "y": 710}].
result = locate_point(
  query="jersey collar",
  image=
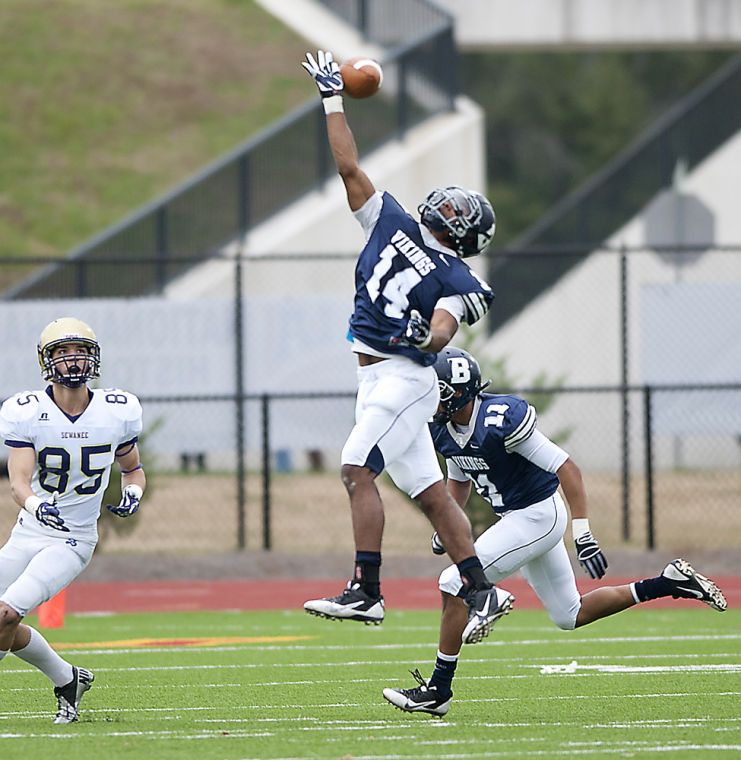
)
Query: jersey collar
[
  {"x": 70, "y": 417},
  {"x": 432, "y": 242},
  {"x": 462, "y": 438}
]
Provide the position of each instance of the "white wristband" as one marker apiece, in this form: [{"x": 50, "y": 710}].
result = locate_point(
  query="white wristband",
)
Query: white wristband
[
  {"x": 333, "y": 104},
  {"x": 134, "y": 490},
  {"x": 579, "y": 526},
  {"x": 32, "y": 504}
]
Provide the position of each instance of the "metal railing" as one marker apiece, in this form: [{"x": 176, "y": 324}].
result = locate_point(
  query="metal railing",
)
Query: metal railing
[
  {"x": 241, "y": 383},
  {"x": 267, "y": 172},
  {"x": 688, "y": 132}
]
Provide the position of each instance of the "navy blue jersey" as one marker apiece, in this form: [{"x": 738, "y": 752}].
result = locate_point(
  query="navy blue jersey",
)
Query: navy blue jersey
[
  {"x": 397, "y": 272},
  {"x": 506, "y": 480}
]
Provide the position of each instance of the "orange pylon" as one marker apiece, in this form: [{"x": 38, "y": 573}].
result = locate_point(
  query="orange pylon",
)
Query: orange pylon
[{"x": 51, "y": 612}]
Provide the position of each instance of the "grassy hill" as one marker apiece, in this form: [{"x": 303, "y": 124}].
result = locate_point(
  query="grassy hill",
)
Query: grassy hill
[{"x": 105, "y": 105}]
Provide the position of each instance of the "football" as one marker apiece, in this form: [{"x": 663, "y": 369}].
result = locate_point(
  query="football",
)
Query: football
[{"x": 362, "y": 77}]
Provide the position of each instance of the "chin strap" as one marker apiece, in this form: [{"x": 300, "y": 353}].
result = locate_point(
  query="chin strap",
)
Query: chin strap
[{"x": 442, "y": 418}]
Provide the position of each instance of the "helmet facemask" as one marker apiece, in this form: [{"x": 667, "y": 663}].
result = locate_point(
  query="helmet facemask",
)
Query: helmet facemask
[
  {"x": 459, "y": 381},
  {"x": 466, "y": 216},
  {"x": 70, "y": 369},
  {"x": 73, "y": 369}
]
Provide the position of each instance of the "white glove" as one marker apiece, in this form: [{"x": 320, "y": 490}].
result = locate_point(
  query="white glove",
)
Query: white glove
[
  {"x": 437, "y": 544},
  {"x": 417, "y": 332},
  {"x": 326, "y": 73},
  {"x": 129, "y": 501}
]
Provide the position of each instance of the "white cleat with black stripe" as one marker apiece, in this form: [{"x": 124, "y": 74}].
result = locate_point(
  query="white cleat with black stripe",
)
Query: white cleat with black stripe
[{"x": 352, "y": 604}]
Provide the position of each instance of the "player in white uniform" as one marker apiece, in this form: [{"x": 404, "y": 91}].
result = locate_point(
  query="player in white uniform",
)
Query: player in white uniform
[
  {"x": 491, "y": 441},
  {"x": 412, "y": 289},
  {"x": 63, "y": 441}
]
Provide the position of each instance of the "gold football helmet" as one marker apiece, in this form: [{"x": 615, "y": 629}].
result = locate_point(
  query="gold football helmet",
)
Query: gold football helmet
[{"x": 72, "y": 370}]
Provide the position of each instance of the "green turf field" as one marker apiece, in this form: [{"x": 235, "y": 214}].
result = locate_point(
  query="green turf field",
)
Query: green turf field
[{"x": 235, "y": 685}]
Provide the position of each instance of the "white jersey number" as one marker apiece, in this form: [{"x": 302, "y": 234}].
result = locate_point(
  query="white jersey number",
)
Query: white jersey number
[
  {"x": 396, "y": 290},
  {"x": 495, "y": 415},
  {"x": 486, "y": 489}
]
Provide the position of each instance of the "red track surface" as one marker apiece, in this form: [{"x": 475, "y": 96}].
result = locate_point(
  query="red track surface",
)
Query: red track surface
[{"x": 414, "y": 593}]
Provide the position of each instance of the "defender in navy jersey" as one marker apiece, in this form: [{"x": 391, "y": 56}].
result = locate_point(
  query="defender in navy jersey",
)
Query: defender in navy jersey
[
  {"x": 412, "y": 290},
  {"x": 492, "y": 442},
  {"x": 63, "y": 441}
]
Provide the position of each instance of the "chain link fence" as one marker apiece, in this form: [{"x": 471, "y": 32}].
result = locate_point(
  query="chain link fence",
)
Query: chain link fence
[{"x": 633, "y": 364}]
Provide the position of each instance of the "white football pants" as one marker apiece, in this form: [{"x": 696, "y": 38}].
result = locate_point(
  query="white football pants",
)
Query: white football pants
[
  {"x": 35, "y": 566},
  {"x": 529, "y": 540},
  {"x": 396, "y": 399}
]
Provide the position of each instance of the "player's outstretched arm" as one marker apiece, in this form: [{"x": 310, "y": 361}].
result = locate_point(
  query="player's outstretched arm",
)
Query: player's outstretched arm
[
  {"x": 326, "y": 74},
  {"x": 342, "y": 143}
]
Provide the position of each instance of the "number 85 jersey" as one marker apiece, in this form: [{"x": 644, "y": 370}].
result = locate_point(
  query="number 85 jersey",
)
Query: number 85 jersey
[{"x": 73, "y": 454}]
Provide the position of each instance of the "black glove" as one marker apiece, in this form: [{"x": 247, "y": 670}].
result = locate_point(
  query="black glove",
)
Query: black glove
[
  {"x": 437, "y": 545},
  {"x": 590, "y": 555},
  {"x": 417, "y": 332}
]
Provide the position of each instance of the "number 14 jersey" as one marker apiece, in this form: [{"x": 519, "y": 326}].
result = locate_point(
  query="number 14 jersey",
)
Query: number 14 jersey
[{"x": 401, "y": 268}]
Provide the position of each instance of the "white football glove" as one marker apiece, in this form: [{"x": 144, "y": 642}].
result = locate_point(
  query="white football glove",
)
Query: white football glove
[
  {"x": 129, "y": 501},
  {"x": 417, "y": 332},
  {"x": 437, "y": 544},
  {"x": 326, "y": 73}
]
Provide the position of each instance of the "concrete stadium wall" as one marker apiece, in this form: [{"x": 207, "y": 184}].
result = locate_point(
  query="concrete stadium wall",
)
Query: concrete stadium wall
[
  {"x": 444, "y": 150},
  {"x": 573, "y": 329},
  {"x": 594, "y": 24}
]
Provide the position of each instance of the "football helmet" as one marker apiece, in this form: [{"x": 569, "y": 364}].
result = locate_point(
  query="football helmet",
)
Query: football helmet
[
  {"x": 471, "y": 224},
  {"x": 72, "y": 370},
  {"x": 456, "y": 371}
]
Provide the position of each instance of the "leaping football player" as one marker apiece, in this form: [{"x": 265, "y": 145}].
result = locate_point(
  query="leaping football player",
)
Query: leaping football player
[
  {"x": 412, "y": 290},
  {"x": 492, "y": 442},
  {"x": 63, "y": 441}
]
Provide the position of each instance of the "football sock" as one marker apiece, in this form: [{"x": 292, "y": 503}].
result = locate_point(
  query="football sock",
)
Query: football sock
[
  {"x": 442, "y": 676},
  {"x": 367, "y": 571},
  {"x": 472, "y": 574},
  {"x": 650, "y": 588},
  {"x": 39, "y": 654}
]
